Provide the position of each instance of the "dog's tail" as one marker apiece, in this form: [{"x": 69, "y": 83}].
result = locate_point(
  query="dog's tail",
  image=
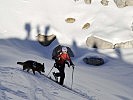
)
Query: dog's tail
[{"x": 20, "y": 63}]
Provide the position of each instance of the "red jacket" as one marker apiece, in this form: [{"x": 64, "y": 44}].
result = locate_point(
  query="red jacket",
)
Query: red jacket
[{"x": 63, "y": 57}]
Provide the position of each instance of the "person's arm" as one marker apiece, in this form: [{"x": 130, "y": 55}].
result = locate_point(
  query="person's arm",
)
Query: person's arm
[
  {"x": 68, "y": 60},
  {"x": 71, "y": 63}
]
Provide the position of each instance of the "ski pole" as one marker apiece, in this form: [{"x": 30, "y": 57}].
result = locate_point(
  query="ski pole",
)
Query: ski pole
[
  {"x": 50, "y": 70},
  {"x": 72, "y": 77}
]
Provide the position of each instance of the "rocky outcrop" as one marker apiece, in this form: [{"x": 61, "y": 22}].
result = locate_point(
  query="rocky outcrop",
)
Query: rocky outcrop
[
  {"x": 105, "y": 2},
  {"x": 87, "y": 1},
  {"x": 70, "y": 20},
  {"x": 86, "y": 26},
  {"x": 123, "y": 3},
  {"x": 95, "y": 42},
  {"x": 45, "y": 40},
  {"x": 128, "y": 44},
  {"x": 129, "y": 2}
]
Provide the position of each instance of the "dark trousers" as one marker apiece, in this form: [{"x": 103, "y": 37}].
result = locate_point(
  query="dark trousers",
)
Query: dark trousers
[
  {"x": 62, "y": 77},
  {"x": 61, "y": 73}
]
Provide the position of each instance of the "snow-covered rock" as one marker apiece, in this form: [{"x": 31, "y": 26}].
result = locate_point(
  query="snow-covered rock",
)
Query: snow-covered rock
[
  {"x": 46, "y": 40},
  {"x": 104, "y": 2},
  {"x": 97, "y": 42},
  {"x": 128, "y": 44},
  {"x": 87, "y": 1},
  {"x": 123, "y": 3}
]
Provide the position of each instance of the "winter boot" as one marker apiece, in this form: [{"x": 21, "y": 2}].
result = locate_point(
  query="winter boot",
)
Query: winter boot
[{"x": 56, "y": 78}]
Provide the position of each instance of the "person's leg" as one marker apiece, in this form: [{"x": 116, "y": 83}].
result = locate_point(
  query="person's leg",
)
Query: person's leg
[
  {"x": 56, "y": 75},
  {"x": 62, "y": 77}
]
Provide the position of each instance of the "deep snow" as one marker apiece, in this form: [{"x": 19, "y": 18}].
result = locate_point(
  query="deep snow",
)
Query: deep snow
[{"x": 111, "y": 81}]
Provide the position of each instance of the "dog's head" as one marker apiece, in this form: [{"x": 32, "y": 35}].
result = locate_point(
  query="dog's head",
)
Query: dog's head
[{"x": 41, "y": 67}]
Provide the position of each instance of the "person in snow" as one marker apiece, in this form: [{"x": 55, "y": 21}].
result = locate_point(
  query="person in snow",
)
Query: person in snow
[{"x": 60, "y": 60}]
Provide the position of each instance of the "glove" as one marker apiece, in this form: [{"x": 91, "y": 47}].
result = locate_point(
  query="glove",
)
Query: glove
[
  {"x": 72, "y": 65},
  {"x": 66, "y": 62}
]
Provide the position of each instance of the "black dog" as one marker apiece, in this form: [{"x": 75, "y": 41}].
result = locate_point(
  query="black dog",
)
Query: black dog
[{"x": 35, "y": 66}]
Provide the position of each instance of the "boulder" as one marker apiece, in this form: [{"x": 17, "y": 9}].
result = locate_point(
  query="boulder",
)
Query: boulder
[
  {"x": 87, "y": 1},
  {"x": 127, "y": 44},
  {"x": 96, "y": 61},
  {"x": 104, "y": 2},
  {"x": 70, "y": 20},
  {"x": 86, "y": 26},
  {"x": 123, "y": 3},
  {"x": 129, "y": 2},
  {"x": 45, "y": 40},
  {"x": 99, "y": 43}
]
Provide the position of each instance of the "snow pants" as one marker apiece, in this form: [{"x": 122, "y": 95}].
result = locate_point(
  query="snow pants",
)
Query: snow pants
[{"x": 61, "y": 73}]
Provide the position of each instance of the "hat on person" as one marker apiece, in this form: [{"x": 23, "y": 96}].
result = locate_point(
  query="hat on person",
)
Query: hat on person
[{"x": 64, "y": 49}]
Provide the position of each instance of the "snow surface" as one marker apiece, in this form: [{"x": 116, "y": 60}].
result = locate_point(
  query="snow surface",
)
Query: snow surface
[{"x": 21, "y": 20}]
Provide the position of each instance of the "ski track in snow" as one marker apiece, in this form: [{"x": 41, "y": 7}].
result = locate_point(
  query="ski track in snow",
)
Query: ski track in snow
[
  {"x": 39, "y": 93},
  {"x": 58, "y": 87},
  {"x": 10, "y": 87},
  {"x": 75, "y": 91}
]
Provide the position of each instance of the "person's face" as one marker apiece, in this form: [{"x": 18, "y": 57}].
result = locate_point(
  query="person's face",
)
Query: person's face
[{"x": 64, "y": 52}]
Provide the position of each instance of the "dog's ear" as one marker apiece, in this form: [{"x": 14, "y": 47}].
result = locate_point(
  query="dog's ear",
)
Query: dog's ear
[{"x": 43, "y": 64}]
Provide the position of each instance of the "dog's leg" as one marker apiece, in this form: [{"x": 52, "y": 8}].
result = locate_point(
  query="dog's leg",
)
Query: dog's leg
[
  {"x": 28, "y": 70},
  {"x": 40, "y": 72},
  {"x": 33, "y": 71},
  {"x": 24, "y": 67}
]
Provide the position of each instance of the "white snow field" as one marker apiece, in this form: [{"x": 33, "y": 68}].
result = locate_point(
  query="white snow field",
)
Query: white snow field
[{"x": 22, "y": 20}]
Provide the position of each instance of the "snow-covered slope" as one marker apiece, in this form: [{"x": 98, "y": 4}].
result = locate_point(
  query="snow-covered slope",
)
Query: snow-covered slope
[
  {"x": 22, "y": 20},
  {"x": 112, "y": 81}
]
